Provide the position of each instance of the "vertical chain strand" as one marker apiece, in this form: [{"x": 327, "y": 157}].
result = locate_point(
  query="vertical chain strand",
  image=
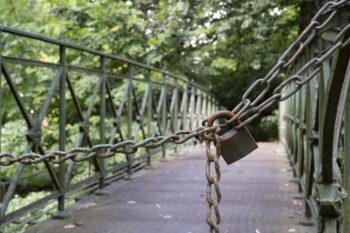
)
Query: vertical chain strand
[{"x": 213, "y": 202}]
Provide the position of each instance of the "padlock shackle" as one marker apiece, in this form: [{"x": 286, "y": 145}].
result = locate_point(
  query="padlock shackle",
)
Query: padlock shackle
[{"x": 218, "y": 115}]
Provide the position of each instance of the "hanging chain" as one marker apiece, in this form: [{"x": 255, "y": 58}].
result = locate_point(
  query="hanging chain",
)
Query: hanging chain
[{"x": 213, "y": 181}]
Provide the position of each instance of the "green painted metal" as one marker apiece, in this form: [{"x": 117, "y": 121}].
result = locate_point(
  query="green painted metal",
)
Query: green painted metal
[
  {"x": 62, "y": 123},
  {"x": 347, "y": 155},
  {"x": 153, "y": 102},
  {"x": 316, "y": 135}
]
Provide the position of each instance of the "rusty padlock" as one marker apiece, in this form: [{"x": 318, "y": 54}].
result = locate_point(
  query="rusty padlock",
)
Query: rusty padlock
[{"x": 235, "y": 144}]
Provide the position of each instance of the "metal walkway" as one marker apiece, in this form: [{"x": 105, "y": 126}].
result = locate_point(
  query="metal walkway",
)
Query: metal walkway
[{"x": 259, "y": 196}]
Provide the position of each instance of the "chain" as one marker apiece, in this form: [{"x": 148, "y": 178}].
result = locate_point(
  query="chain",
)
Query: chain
[
  {"x": 213, "y": 181},
  {"x": 80, "y": 154},
  {"x": 250, "y": 108}
]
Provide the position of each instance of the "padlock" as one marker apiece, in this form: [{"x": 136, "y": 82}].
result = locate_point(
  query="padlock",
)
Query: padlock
[{"x": 235, "y": 143}]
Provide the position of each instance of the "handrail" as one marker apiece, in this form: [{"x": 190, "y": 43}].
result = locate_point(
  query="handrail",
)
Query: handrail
[{"x": 54, "y": 41}]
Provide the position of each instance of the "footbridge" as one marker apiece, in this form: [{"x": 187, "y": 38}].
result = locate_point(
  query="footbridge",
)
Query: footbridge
[{"x": 108, "y": 144}]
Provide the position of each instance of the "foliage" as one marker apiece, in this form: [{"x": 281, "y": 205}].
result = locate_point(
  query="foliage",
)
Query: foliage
[
  {"x": 225, "y": 44},
  {"x": 268, "y": 128}
]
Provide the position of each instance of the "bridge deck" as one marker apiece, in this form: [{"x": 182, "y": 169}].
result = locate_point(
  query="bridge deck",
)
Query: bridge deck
[{"x": 259, "y": 196}]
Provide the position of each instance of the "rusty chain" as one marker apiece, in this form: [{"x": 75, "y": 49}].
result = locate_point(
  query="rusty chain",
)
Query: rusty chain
[
  {"x": 80, "y": 154},
  {"x": 213, "y": 181},
  {"x": 246, "y": 111},
  {"x": 249, "y": 109}
]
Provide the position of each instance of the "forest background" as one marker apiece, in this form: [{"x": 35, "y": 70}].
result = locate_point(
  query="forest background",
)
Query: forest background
[{"x": 224, "y": 45}]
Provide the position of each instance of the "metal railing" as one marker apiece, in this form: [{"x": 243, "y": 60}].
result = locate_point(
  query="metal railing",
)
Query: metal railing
[
  {"x": 117, "y": 99},
  {"x": 316, "y": 132}
]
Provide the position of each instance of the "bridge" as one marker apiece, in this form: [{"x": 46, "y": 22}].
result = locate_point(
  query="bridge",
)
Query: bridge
[{"x": 138, "y": 150}]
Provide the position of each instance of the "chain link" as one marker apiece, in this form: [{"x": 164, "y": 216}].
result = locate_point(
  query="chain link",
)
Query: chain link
[
  {"x": 213, "y": 181},
  {"x": 250, "y": 108},
  {"x": 81, "y": 154}
]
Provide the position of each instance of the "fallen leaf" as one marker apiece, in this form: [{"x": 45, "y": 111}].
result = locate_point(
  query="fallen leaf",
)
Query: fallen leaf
[
  {"x": 69, "y": 226},
  {"x": 73, "y": 225},
  {"x": 90, "y": 204},
  {"x": 296, "y": 202}
]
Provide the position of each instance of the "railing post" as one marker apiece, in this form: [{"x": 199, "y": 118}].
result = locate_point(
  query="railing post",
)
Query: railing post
[
  {"x": 206, "y": 110},
  {"x": 210, "y": 106},
  {"x": 299, "y": 132},
  {"x": 184, "y": 108},
  {"x": 164, "y": 112},
  {"x": 204, "y": 107},
  {"x": 129, "y": 157},
  {"x": 192, "y": 106},
  {"x": 210, "y": 109},
  {"x": 175, "y": 110},
  {"x": 62, "y": 124},
  {"x": 198, "y": 108},
  {"x": 149, "y": 113},
  {"x": 2, "y": 186},
  {"x": 346, "y": 176},
  {"x": 103, "y": 119}
]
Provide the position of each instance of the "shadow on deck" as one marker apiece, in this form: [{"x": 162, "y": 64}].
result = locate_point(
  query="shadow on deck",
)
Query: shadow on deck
[{"x": 258, "y": 196}]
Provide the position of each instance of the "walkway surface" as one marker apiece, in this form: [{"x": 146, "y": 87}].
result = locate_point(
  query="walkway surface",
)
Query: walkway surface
[{"x": 258, "y": 196}]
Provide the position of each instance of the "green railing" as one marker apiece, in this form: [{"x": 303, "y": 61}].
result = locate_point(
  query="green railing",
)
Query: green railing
[
  {"x": 59, "y": 96},
  {"x": 315, "y": 127}
]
